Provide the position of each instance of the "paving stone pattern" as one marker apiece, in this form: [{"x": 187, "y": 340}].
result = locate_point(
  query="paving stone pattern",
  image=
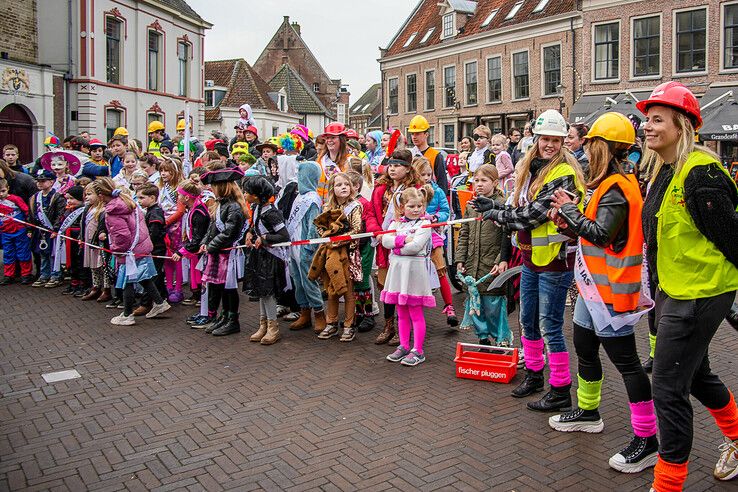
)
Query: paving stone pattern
[{"x": 164, "y": 407}]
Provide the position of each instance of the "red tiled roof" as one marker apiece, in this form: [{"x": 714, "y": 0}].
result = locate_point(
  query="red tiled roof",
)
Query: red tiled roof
[{"x": 428, "y": 15}]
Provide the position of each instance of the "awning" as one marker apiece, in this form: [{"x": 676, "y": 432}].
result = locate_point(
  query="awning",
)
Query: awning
[
  {"x": 721, "y": 123},
  {"x": 624, "y": 104},
  {"x": 714, "y": 92},
  {"x": 586, "y": 105}
]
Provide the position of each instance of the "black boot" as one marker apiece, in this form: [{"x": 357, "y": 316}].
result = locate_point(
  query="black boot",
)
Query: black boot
[
  {"x": 366, "y": 324},
  {"x": 556, "y": 400},
  {"x": 229, "y": 327},
  {"x": 533, "y": 383},
  {"x": 219, "y": 321},
  {"x": 648, "y": 365}
]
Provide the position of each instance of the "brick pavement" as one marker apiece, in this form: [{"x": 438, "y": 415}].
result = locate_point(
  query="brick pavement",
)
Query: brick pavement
[{"x": 160, "y": 406}]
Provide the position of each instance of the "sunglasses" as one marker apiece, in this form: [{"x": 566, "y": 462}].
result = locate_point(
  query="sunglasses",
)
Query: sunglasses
[{"x": 477, "y": 137}]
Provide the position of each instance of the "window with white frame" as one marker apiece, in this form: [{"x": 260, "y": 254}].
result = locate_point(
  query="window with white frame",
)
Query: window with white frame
[
  {"x": 430, "y": 90},
  {"x": 316, "y": 87},
  {"x": 113, "y": 29},
  {"x": 730, "y": 39},
  {"x": 691, "y": 38},
  {"x": 431, "y": 135},
  {"x": 514, "y": 10},
  {"x": 410, "y": 40},
  {"x": 551, "y": 70},
  {"x": 151, "y": 117},
  {"x": 489, "y": 18},
  {"x": 393, "y": 92},
  {"x": 449, "y": 136},
  {"x": 341, "y": 112},
  {"x": 470, "y": 82},
  {"x": 494, "y": 79},
  {"x": 113, "y": 120},
  {"x": 521, "y": 82},
  {"x": 449, "y": 85},
  {"x": 282, "y": 102},
  {"x": 448, "y": 25},
  {"x": 607, "y": 51},
  {"x": 213, "y": 97},
  {"x": 646, "y": 46},
  {"x": 183, "y": 58},
  {"x": 155, "y": 48},
  {"x": 427, "y": 35},
  {"x": 275, "y": 131},
  {"x": 411, "y": 93}
]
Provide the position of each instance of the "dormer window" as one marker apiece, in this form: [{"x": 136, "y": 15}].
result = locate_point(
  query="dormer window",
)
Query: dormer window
[
  {"x": 448, "y": 25},
  {"x": 514, "y": 10},
  {"x": 427, "y": 35},
  {"x": 489, "y": 18},
  {"x": 410, "y": 40}
]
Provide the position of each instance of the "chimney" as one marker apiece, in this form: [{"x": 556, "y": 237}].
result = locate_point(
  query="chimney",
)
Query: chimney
[
  {"x": 296, "y": 27},
  {"x": 284, "y": 60},
  {"x": 287, "y": 19}
]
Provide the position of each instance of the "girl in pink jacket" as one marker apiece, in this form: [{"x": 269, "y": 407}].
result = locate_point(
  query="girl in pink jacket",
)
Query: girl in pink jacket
[{"x": 130, "y": 243}]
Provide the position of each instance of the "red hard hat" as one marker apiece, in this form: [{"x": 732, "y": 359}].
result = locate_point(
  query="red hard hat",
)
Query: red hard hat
[
  {"x": 674, "y": 95},
  {"x": 335, "y": 129},
  {"x": 351, "y": 133},
  {"x": 252, "y": 129}
]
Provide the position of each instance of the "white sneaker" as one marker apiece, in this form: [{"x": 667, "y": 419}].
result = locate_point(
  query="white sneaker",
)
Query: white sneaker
[
  {"x": 727, "y": 466},
  {"x": 123, "y": 320},
  {"x": 157, "y": 309}
]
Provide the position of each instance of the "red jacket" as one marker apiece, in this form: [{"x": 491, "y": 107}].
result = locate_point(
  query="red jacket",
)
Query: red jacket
[{"x": 15, "y": 207}]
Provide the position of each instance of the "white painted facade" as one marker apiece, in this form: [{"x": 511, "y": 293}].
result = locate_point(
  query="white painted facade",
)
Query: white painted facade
[{"x": 79, "y": 45}]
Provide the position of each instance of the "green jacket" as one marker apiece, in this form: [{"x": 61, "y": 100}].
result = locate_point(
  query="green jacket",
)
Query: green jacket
[{"x": 479, "y": 247}]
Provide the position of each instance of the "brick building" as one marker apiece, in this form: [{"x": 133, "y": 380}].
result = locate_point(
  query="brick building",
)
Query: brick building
[
  {"x": 461, "y": 63},
  {"x": 366, "y": 113},
  {"x": 31, "y": 95},
  {"x": 288, "y": 48}
]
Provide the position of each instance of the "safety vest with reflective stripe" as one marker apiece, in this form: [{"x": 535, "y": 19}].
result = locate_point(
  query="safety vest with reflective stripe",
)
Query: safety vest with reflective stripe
[
  {"x": 154, "y": 147},
  {"x": 546, "y": 242},
  {"x": 689, "y": 265},
  {"x": 323, "y": 181},
  {"x": 618, "y": 275}
]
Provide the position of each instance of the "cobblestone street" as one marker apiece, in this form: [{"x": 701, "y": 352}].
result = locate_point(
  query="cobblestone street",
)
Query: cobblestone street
[{"x": 161, "y": 406}]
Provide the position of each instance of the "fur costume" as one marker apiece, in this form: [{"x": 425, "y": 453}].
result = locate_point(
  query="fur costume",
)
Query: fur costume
[{"x": 331, "y": 262}]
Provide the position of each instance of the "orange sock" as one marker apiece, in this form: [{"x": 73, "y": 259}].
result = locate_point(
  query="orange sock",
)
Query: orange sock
[
  {"x": 669, "y": 477},
  {"x": 726, "y": 419}
]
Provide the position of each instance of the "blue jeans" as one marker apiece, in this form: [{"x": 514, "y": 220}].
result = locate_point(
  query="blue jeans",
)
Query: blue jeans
[
  {"x": 584, "y": 319},
  {"x": 46, "y": 263},
  {"x": 307, "y": 292},
  {"x": 542, "y": 306},
  {"x": 492, "y": 320}
]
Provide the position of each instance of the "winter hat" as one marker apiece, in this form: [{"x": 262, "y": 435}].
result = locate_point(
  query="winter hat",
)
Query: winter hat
[
  {"x": 376, "y": 135},
  {"x": 167, "y": 144},
  {"x": 77, "y": 192},
  {"x": 260, "y": 187},
  {"x": 308, "y": 176},
  {"x": 221, "y": 148}
]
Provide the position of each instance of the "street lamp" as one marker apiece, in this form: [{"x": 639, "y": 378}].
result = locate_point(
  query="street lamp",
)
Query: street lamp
[{"x": 560, "y": 95}]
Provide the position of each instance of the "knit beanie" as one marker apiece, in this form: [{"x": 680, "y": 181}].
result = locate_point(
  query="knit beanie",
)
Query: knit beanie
[{"x": 77, "y": 192}]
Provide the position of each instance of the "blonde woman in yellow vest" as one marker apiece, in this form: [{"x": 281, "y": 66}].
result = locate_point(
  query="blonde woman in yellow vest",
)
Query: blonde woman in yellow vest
[
  {"x": 548, "y": 259},
  {"x": 690, "y": 225},
  {"x": 610, "y": 256},
  {"x": 333, "y": 158}
]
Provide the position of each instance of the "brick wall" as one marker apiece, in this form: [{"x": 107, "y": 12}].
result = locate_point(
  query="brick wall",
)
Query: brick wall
[
  {"x": 59, "y": 106},
  {"x": 18, "y": 32}
]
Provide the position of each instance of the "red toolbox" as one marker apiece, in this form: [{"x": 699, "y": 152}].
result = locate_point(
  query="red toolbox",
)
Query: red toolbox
[{"x": 485, "y": 363}]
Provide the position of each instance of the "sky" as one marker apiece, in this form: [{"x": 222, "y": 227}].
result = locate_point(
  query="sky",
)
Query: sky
[{"x": 344, "y": 35}]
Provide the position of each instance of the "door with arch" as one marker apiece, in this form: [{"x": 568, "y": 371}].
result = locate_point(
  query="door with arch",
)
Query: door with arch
[{"x": 16, "y": 127}]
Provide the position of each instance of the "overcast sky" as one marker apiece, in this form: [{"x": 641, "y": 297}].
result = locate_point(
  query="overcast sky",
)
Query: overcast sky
[{"x": 344, "y": 35}]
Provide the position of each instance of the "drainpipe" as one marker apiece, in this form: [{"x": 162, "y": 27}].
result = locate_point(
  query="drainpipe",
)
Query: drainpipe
[
  {"x": 69, "y": 75},
  {"x": 573, "y": 63}
]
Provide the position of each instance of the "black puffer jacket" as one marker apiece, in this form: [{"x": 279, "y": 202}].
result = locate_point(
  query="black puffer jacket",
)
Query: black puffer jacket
[
  {"x": 309, "y": 152},
  {"x": 232, "y": 217}
]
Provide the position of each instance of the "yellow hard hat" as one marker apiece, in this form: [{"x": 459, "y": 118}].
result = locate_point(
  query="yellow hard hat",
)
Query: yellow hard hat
[
  {"x": 240, "y": 148},
  {"x": 310, "y": 134},
  {"x": 121, "y": 130},
  {"x": 155, "y": 126},
  {"x": 613, "y": 127},
  {"x": 418, "y": 124},
  {"x": 180, "y": 125}
]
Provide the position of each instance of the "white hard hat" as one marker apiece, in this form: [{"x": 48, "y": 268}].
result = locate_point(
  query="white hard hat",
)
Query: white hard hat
[{"x": 550, "y": 122}]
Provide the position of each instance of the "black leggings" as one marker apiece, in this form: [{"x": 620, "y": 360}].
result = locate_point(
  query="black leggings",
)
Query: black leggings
[
  {"x": 129, "y": 295},
  {"x": 621, "y": 351},
  {"x": 389, "y": 311},
  {"x": 218, "y": 293}
]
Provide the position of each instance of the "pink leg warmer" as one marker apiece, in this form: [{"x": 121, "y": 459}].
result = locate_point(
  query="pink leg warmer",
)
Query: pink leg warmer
[
  {"x": 169, "y": 267},
  {"x": 533, "y": 350},
  {"x": 559, "y": 363},
  {"x": 418, "y": 319},
  {"x": 446, "y": 291},
  {"x": 178, "y": 277},
  {"x": 403, "y": 326},
  {"x": 643, "y": 418}
]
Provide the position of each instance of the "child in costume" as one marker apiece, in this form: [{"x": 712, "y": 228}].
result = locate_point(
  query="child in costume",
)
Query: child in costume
[
  {"x": 64, "y": 180},
  {"x": 300, "y": 226},
  {"x": 46, "y": 207},
  {"x": 97, "y": 152},
  {"x": 438, "y": 211},
  {"x": 363, "y": 289},
  {"x": 130, "y": 243},
  {"x": 483, "y": 247},
  {"x": 148, "y": 199},
  {"x": 169, "y": 180},
  {"x": 92, "y": 220},
  {"x": 223, "y": 265},
  {"x": 339, "y": 263},
  {"x": 68, "y": 251},
  {"x": 15, "y": 240},
  {"x": 196, "y": 223},
  {"x": 264, "y": 275},
  {"x": 408, "y": 279}
]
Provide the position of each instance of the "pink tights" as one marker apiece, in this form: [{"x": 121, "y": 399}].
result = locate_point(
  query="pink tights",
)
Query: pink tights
[
  {"x": 172, "y": 273},
  {"x": 411, "y": 317},
  {"x": 195, "y": 275}
]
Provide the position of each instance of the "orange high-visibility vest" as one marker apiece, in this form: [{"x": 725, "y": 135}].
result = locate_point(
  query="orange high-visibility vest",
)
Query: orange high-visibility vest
[{"x": 618, "y": 275}]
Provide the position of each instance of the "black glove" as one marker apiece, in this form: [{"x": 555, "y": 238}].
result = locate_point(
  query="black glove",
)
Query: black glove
[
  {"x": 493, "y": 215},
  {"x": 482, "y": 204}
]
